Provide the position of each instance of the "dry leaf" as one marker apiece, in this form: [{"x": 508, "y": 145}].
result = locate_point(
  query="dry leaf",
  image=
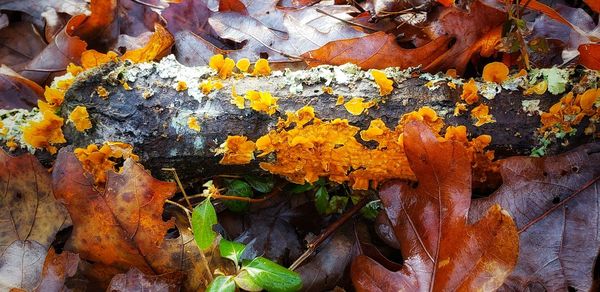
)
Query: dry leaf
[
  {"x": 442, "y": 251},
  {"x": 57, "y": 268},
  {"x": 589, "y": 56},
  {"x": 17, "y": 91},
  {"x": 19, "y": 43},
  {"x": 554, "y": 201},
  {"x": 21, "y": 265},
  {"x": 134, "y": 280}
]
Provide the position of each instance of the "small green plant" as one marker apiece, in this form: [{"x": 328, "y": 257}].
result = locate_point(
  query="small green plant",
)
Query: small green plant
[{"x": 254, "y": 274}]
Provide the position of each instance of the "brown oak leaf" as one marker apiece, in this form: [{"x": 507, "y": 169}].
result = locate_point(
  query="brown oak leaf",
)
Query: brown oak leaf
[{"x": 442, "y": 250}]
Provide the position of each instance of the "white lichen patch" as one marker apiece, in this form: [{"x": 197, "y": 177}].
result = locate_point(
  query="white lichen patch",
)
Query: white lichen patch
[
  {"x": 514, "y": 82},
  {"x": 531, "y": 107},
  {"x": 169, "y": 68},
  {"x": 489, "y": 89},
  {"x": 13, "y": 121}
]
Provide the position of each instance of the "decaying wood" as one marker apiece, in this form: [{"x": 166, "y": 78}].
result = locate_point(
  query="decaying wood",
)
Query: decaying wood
[{"x": 152, "y": 115}]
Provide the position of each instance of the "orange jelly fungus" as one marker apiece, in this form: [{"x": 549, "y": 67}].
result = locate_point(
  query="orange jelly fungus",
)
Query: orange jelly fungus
[
  {"x": 538, "y": 89},
  {"x": 237, "y": 150},
  {"x": 98, "y": 161},
  {"x": 80, "y": 118},
  {"x": 261, "y": 68},
  {"x": 243, "y": 64},
  {"x": 569, "y": 111},
  {"x": 237, "y": 99},
  {"x": 11, "y": 144},
  {"x": 193, "y": 124},
  {"x": 47, "y": 132},
  {"x": 223, "y": 66},
  {"x": 385, "y": 85},
  {"x": 451, "y": 73},
  {"x": 93, "y": 58},
  {"x": 306, "y": 148},
  {"x": 262, "y": 101},
  {"x": 357, "y": 106},
  {"x": 340, "y": 100},
  {"x": 327, "y": 89},
  {"x": 74, "y": 69},
  {"x": 207, "y": 86},
  {"x": 54, "y": 96},
  {"x": 158, "y": 46},
  {"x": 495, "y": 72},
  {"x": 482, "y": 114},
  {"x": 469, "y": 94},
  {"x": 181, "y": 86},
  {"x": 102, "y": 92}
]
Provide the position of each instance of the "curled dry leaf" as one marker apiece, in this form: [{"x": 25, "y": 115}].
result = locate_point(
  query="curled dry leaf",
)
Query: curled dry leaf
[
  {"x": 443, "y": 251},
  {"x": 17, "y": 91},
  {"x": 120, "y": 225},
  {"x": 554, "y": 201}
]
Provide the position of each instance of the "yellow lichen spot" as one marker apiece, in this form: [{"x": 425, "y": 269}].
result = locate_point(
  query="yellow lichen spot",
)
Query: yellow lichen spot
[
  {"x": 237, "y": 150},
  {"x": 126, "y": 85},
  {"x": 451, "y": 73},
  {"x": 237, "y": 99},
  {"x": 340, "y": 100},
  {"x": 481, "y": 113},
  {"x": 459, "y": 108},
  {"x": 538, "y": 89},
  {"x": 80, "y": 118},
  {"x": 385, "y": 85},
  {"x": 3, "y": 130},
  {"x": 181, "y": 86},
  {"x": 102, "y": 92},
  {"x": 261, "y": 68},
  {"x": 11, "y": 144},
  {"x": 243, "y": 64},
  {"x": 97, "y": 161},
  {"x": 327, "y": 89},
  {"x": 46, "y": 132},
  {"x": 54, "y": 97},
  {"x": 93, "y": 58},
  {"x": 74, "y": 69},
  {"x": 356, "y": 105},
  {"x": 469, "y": 94},
  {"x": 193, "y": 124},
  {"x": 495, "y": 72},
  {"x": 262, "y": 101},
  {"x": 451, "y": 84}
]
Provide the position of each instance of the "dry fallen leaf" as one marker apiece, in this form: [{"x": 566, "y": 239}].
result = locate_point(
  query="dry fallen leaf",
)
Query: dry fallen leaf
[
  {"x": 17, "y": 91},
  {"x": 21, "y": 265},
  {"x": 57, "y": 268},
  {"x": 134, "y": 280},
  {"x": 19, "y": 43},
  {"x": 589, "y": 56},
  {"x": 554, "y": 201},
  {"x": 120, "y": 225},
  {"x": 442, "y": 251}
]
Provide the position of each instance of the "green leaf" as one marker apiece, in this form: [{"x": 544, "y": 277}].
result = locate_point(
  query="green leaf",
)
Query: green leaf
[
  {"x": 337, "y": 204},
  {"x": 273, "y": 277},
  {"x": 321, "y": 199},
  {"x": 260, "y": 184},
  {"x": 231, "y": 250},
  {"x": 244, "y": 281},
  {"x": 237, "y": 188},
  {"x": 221, "y": 284},
  {"x": 203, "y": 219},
  {"x": 371, "y": 209},
  {"x": 296, "y": 189}
]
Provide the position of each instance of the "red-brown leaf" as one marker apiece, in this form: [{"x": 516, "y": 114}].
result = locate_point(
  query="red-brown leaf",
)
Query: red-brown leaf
[
  {"x": 375, "y": 51},
  {"x": 594, "y": 4},
  {"x": 17, "y": 91},
  {"x": 589, "y": 56},
  {"x": 554, "y": 201},
  {"x": 443, "y": 251}
]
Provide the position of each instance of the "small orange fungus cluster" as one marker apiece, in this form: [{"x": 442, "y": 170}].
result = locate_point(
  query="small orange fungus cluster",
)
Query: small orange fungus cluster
[
  {"x": 357, "y": 105},
  {"x": 469, "y": 94},
  {"x": 243, "y": 64},
  {"x": 224, "y": 66},
  {"x": 80, "y": 118},
  {"x": 539, "y": 89},
  {"x": 261, "y": 68},
  {"x": 193, "y": 124},
  {"x": 570, "y": 110},
  {"x": 207, "y": 86},
  {"x": 482, "y": 114},
  {"x": 327, "y": 89},
  {"x": 495, "y": 72},
  {"x": 98, "y": 161},
  {"x": 237, "y": 150},
  {"x": 340, "y": 100},
  {"x": 181, "y": 86},
  {"x": 261, "y": 101},
  {"x": 307, "y": 148},
  {"x": 46, "y": 132},
  {"x": 385, "y": 84}
]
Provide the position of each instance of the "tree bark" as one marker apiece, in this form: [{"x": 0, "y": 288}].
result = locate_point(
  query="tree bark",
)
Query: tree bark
[{"x": 152, "y": 116}]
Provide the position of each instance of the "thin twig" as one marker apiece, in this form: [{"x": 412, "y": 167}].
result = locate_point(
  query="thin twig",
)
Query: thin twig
[
  {"x": 346, "y": 21},
  {"x": 314, "y": 244},
  {"x": 180, "y": 185}
]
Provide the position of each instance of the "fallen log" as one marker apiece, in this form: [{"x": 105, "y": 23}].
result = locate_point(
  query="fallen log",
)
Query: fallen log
[{"x": 149, "y": 106}]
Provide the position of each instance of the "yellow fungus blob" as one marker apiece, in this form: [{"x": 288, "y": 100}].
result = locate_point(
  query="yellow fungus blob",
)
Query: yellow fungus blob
[
  {"x": 93, "y": 58},
  {"x": 47, "y": 132},
  {"x": 223, "y": 66},
  {"x": 375, "y": 130},
  {"x": 74, "y": 69},
  {"x": 3, "y": 130},
  {"x": 495, "y": 72},
  {"x": 207, "y": 86},
  {"x": 102, "y": 92},
  {"x": 327, "y": 89},
  {"x": 243, "y": 64},
  {"x": 451, "y": 73},
  {"x": 482, "y": 114},
  {"x": 54, "y": 96},
  {"x": 237, "y": 99},
  {"x": 181, "y": 86},
  {"x": 262, "y": 101},
  {"x": 126, "y": 86},
  {"x": 569, "y": 111},
  {"x": 340, "y": 100},
  {"x": 193, "y": 124},
  {"x": 469, "y": 94},
  {"x": 385, "y": 85},
  {"x": 216, "y": 62},
  {"x": 356, "y": 105},
  {"x": 98, "y": 161},
  {"x": 538, "y": 89},
  {"x": 236, "y": 150},
  {"x": 459, "y": 108},
  {"x": 11, "y": 144},
  {"x": 80, "y": 118},
  {"x": 261, "y": 68},
  {"x": 451, "y": 84},
  {"x": 522, "y": 73}
]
